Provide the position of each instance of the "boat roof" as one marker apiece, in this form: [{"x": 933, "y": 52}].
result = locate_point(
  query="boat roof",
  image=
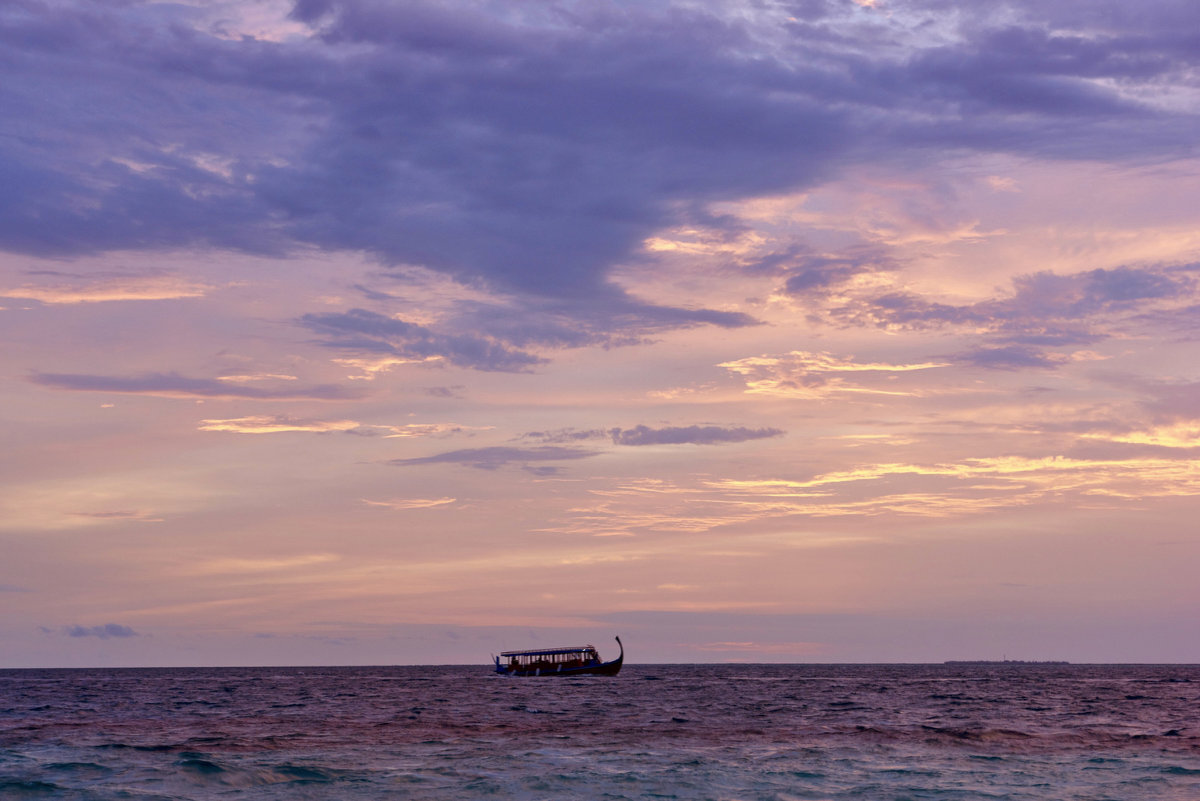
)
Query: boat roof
[{"x": 550, "y": 651}]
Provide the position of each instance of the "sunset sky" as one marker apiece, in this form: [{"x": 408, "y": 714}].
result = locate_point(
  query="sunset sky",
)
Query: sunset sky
[{"x": 367, "y": 332}]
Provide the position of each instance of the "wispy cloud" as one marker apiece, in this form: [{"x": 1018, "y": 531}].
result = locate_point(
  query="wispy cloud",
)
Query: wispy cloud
[
  {"x": 666, "y": 435},
  {"x": 69, "y": 288},
  {"x": 498, "y": 456},
  {"x": 1173, "y": 435},
  {"x": 174, "y": 385},
  {"x": 135, "y": 515},
  {"x": 371, "y": 332},
  {"x": 933, "y": 490},
  {"x": 104, "y": 632},
  {"x": 284, "y": 424},
  {"x": 276, "y": 424},
  {"x": 233, "y": 565},
  {"x": 803, "y": 374},
  {"x": 404, "y": 504},
  {"x": 689, "y": 435},
  {"x": 1044, "y": 310}
]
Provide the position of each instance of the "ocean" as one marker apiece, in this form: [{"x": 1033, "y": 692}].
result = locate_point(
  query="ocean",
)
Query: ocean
[{"x": 880, "y": 732}]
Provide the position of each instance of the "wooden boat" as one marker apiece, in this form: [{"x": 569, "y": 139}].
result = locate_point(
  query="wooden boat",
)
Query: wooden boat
[{"x": 582, "y": 660}]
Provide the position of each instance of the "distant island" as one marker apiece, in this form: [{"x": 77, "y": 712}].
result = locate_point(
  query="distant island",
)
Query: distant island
[{"x": 1003, "y": 662}]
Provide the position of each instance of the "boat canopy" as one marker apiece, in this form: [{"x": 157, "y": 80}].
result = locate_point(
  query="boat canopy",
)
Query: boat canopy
[{"x": 579, "y": 649}]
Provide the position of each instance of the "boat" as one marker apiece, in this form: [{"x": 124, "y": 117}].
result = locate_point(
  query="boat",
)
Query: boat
[{"x": 581, "y": 660}]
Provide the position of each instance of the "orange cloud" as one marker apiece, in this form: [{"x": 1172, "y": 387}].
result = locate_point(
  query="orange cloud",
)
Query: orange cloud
[
  {"x": 275, "y": 424},
  {"x": 113, "y": 287},
  {"x": 803, "y": 374},
  {"x": 410, "y": 503},
  {"x": 945, "y": 490}
]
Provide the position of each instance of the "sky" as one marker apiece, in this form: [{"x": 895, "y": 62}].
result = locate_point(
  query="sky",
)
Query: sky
[{"x": 367, "y": 332}]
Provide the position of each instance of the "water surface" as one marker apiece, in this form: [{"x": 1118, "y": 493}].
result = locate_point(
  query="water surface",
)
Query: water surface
[{"x": 881, "y": 732}]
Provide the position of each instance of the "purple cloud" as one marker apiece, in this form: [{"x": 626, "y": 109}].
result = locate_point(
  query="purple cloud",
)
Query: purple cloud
[
  {"x": 1010, "y": 357},
  {"x": 361, "y": 330},
  {"x": 174, "y": 385},
  {"x": 500, "y": 456},
  {"x": 689, "y": 435},
  {"x": 533, "y": 150},
  {"x": 108, "y": 630},
  {"x": 1045, "y": 310}
]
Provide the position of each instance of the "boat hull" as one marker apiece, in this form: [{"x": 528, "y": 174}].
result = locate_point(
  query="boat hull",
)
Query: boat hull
[{"x": 607, "y": 669}]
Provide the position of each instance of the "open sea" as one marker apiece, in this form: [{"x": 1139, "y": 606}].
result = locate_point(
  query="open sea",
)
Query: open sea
[{"x": 881, "y": 732}]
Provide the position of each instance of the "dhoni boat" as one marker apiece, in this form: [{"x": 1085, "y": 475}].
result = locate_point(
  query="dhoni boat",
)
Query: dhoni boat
[{"x": 581, "y": 660}]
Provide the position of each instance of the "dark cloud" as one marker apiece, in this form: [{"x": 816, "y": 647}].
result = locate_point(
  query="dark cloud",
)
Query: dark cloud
[
  {"x": 566, "y": 435},
  {"x": 1044, "y": 310},
  {"x": 363, "y": 330},
  {"x": 1167, "y": 401},
  {"x": 174, "y": 385},
  {"x": 500, "y": 456},
  {"x": 374, "y": 294},
  {"x": 815, "y": 274},
  {"x": 1052, "y": 296},
  {"x": 909, "y": 310},
  {"x": 108, "y": 630},
  {"x": 644, "y": 435},
  {"x": 455, "y": 391},
  {"x": 1012, "y": 357},
  {"x": 572, "y": 324},
  {"x": 503, "y": 331},
  {"x": 689, "y": 435},
  {"x": 533, "y": 147}
]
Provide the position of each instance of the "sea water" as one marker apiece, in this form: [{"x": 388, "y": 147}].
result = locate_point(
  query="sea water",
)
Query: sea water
[{"x": 883, "y": 732}]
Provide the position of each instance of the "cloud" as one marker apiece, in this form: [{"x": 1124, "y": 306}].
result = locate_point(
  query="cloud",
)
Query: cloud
[
  {"x": 1183, "y": 434},
  {"x": 804, "y": 374},
  {"x": 402, "y": 505},
  {"x": 1043, "y": 303},
  {"x": 952, "y": 489},
  {"x": 367, "y": 331},
  {"x": 275, "y": 424},
  {"x": 499, "y": 456},
  {"x": 281, "y": 424},
  {"x": 1044, "y": 310},
  {"x": 107, "y": 631},
  {"x": 1012, "y": 357},
  {"x": 689, "y": 435},
  {"x": 811, "y": 274},
  {"x": 566, "y": 435},
  {"x": 1168, "y": 401},
  {"x": 535, "y": 149},
  {"x": 410, "y": 430},
  {"x": 503, "y": 332},
  {"x": 121, "y": 514},
  {"x": 72, "y": 288},
  {"x": 173, "y": 385},
  {"x": 644, "y": 435},
  {"x": 234, "y": 565}
]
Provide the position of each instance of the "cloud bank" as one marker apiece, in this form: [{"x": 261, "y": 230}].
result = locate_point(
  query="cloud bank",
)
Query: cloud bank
[{"x": 536, "y": 148}]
